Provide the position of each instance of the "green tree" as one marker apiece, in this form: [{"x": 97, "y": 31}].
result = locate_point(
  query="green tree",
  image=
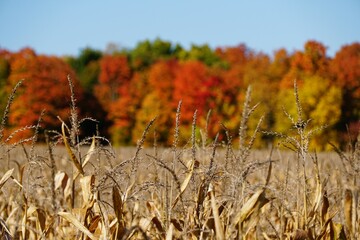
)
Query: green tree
[
  {"x": 202, "y": 53},
  {"x": 87, "y": 67},
  {"x": 147, "y": 52}
]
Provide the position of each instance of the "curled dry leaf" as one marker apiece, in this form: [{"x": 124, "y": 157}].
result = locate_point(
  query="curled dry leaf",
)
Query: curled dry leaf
[
  {"x": 88, "y": 155},
  {"x": 6, "y": 176},
  {"x": 87, "y": 186},
  {"x": 61, "y": 179},
  {"x": 254, "y": 204},
  {"x": 186, "y": 181}
]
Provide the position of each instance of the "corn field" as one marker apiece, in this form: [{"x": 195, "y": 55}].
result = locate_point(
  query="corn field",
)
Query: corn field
[{"x": 73, "y": 188}]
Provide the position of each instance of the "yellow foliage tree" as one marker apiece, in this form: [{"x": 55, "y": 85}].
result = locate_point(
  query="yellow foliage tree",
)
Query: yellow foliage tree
[{"x": 320, "y": 101}]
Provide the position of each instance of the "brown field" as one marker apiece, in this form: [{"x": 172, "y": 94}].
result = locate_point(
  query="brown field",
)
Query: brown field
[
  {"x": 205, "y": 189},
  {"x": 174, "y": 194}
]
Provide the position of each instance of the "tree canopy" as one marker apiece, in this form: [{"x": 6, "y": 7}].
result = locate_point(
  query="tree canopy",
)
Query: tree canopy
[{"x": 126, "y": 88}]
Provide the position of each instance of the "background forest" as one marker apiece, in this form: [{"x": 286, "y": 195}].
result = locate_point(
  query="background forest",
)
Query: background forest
[{"x": 123, "y": 89}]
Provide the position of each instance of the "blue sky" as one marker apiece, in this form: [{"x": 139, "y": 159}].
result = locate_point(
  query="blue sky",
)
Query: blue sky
[{"x": 65, "y": 27}]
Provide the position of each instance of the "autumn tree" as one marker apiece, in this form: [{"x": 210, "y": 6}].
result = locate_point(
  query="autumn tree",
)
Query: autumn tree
[
  {"x": 158, "y": 102},
  {"x": 232, "y": 88},
  {"x": 346, "y": 70},
  {"x": 264, "y": 88},
  {"x": 45, "y": 87},
  {"x": 87, "y": 68},
  {"x": 4, "y": 74},
  {"x": 280, "y": 65},
  {"x": 128, "y": 87},
  {"x": 236, "y": 59},
  {"x": 123, "y": 111},
  {"x": 311, "y": 61},
  {"x": 198, "y": 89},
  {"x": 321, "y": 97},
  {"x": 114, "y": 76}
]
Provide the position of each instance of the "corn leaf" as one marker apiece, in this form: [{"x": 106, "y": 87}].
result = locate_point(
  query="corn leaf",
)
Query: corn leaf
[
  {"x": 218, "y": 226},
  {"x": 72, "y": 219},
  {"x": 6, "y": 176},
  {"x": 70, "y": 152},
  {"x": 185, "y": 182}
]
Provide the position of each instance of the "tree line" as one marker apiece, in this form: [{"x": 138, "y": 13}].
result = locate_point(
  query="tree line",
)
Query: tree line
[{"x": 125, "y": 88}]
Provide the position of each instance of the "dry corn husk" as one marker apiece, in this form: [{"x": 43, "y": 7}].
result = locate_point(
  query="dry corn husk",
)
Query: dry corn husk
[
  {"x": 5, "y": 177},
  {"x": 72, "y": 219}
]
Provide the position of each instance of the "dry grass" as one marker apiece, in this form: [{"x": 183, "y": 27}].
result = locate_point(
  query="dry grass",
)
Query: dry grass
[{"x": 85, "y": 189}]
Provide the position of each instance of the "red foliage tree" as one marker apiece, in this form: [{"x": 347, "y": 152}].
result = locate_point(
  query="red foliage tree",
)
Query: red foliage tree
[
  {"x": 199, "y": 90},
  {"x": 159, "y": 101},
  {"x": 311, "y": 61},
  {"x": 161, "y": 79},
  {"x": 122, "y": 112},
  {"x": 346, "y": 70},
  {"x": 45, "y": 87},
  {"x": 114, "y": 75},
  {"x": 191, "y": 87},
  {"x": 233, "y": 76}
]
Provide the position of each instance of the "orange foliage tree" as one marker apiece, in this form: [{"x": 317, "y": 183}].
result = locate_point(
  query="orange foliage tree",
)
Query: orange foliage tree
[
  {"x": 311, "y": 61},
  {"x": 198, "y": 90},
  {"x": 320, "y": 97},
  {"x": 123, "y": 111},
  {"x": 114, "y": 76},
  {"x": 233, "y": 84},
  {"x": 158, "y": 101},
  {"x": 244, "y": 68},
  {"x": 4, "y": 74},
  {"x": 45, "y": 87}
]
